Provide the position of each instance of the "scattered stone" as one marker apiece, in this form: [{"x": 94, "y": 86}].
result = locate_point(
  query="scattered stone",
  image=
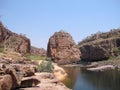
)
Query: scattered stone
[{"x": 27, "y": 70}]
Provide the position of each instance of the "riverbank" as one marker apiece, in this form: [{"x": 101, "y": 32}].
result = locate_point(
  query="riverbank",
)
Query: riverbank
[
  {"x": 97, "y": 66},
  {"x": 48, "y": 81},
  {"x": 19, "y": 73},
  {"x": 105, "y": 65}
]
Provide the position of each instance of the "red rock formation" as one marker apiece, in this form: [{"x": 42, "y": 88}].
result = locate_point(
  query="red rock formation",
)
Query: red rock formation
[
  {"x": 38, "y": 51},
  {"x": 62, "y": 48},
  {"x": 6, "y": 82},
  {"x": 100, "y": 46},
  {"x": 13, "y": 41}
]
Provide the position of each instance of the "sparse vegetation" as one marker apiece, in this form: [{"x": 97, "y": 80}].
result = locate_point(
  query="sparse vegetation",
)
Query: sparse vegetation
[
  {"x": 1, "y": 49},
  {"x": 11, "y": 55},
  {"x": 116, "y": 51},
  {"x": 100, "y": 35},
  {"x": 46, "y": 66},
  {"x": 114, "y": 57},
  {"x": 34, "y": 57},
  {"x": 111, "y": 58}
]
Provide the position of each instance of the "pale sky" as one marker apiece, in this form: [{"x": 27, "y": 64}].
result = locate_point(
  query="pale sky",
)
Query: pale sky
[{"x": 39, "y": 19}]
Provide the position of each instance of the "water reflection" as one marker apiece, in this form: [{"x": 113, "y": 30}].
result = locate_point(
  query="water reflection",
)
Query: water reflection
[
  {"x": 81, "y": 79},
  {"x": 73, "y": 73}
]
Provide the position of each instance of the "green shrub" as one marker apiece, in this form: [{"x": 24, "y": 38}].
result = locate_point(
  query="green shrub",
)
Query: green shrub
[
  {"x": 46, "y": 66},
  {"x": 48, "y": 59},
  {"x": 34, "y": 57},
  {"x": 114, "y": 57},
  {"x": 116, "y": 51},
  {"x": 27, "y": 55},
  {"x": 1, "y": 49},
  {"x": 111, "y": 58}
]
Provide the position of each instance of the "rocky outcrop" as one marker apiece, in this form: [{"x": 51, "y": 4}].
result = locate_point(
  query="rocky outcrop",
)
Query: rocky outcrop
[
  {"x": 13, "y": 41},
  {"x": 27, "y": 76},
  {"x": 38, "y": 51},
  {"x": 6, "y": 82},
  {"x": 11, "y": 76},
  {"x": 62, "y": 48},
  {"x": 102, "y": 48},
  {"x": 15, "y": 74}
]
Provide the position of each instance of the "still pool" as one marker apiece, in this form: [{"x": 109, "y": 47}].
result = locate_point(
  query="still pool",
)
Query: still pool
[{"x": 82, "y": 79}]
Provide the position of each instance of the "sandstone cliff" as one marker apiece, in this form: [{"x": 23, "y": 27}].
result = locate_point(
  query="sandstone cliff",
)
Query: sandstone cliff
[
  {"x": 62, "y": 48},
  {"x": 13, "y": 41},
  {"x": 38, "y": 51},
  {"x": 100, "y": 46}
]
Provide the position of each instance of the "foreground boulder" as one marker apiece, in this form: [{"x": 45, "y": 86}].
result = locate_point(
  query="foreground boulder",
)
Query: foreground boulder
[
  {"x": 15, "y": 78},
  {"x": 62, "y": 48},
  {"x": 9, "y": 78},
  {"x": 6, "y": 82},
  {"x": 29, "y": 82}
]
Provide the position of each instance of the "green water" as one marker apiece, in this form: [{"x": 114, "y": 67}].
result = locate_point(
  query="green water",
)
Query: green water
[{"x": 81, "y": 79}]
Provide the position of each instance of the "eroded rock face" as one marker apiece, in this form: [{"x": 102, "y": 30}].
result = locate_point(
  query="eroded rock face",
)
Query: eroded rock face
[
  {"x": 38, "y": 51},
  {"x": 62, "y": 48},
  {"x": 102, "y": 48},
  {"x": 13, "y": 41}
]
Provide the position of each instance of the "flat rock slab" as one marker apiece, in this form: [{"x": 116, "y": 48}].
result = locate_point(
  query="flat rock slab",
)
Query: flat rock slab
[
  {"x": 101, "y": 68},
  {"x": 31, "y": 88}
]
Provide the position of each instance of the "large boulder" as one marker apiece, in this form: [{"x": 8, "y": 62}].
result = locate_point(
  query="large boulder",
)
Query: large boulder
[
  {"x": 62, "y": 48},
  {"x": 6, "y": 82},
  {"x": 13, "y": 41},
  {"x": 59, "y": 72},
  {"x": 29, "y": 82},
  {"x": 27, "y": 70},
  {"x": 9, "y": 78},
  {"x": 15, "y": 77}
]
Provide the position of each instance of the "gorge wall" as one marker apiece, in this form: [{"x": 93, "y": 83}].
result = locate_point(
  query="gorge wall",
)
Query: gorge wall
[
  {"x": 13, "y": 41},
  {"x": 100, "y": 46},
  {"x": 62, "y": 48},
  {"x": 38, "y": 51}
]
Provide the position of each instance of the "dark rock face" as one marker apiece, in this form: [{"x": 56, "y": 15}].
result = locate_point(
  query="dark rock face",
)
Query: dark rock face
[
  {"x": 62, "y": 48},
  {"x": 29, "y": 82},
  {"x": 101, "y": 48},
  {"x": 13, "y": 41},
  {"x": 38, "y": 51}
]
